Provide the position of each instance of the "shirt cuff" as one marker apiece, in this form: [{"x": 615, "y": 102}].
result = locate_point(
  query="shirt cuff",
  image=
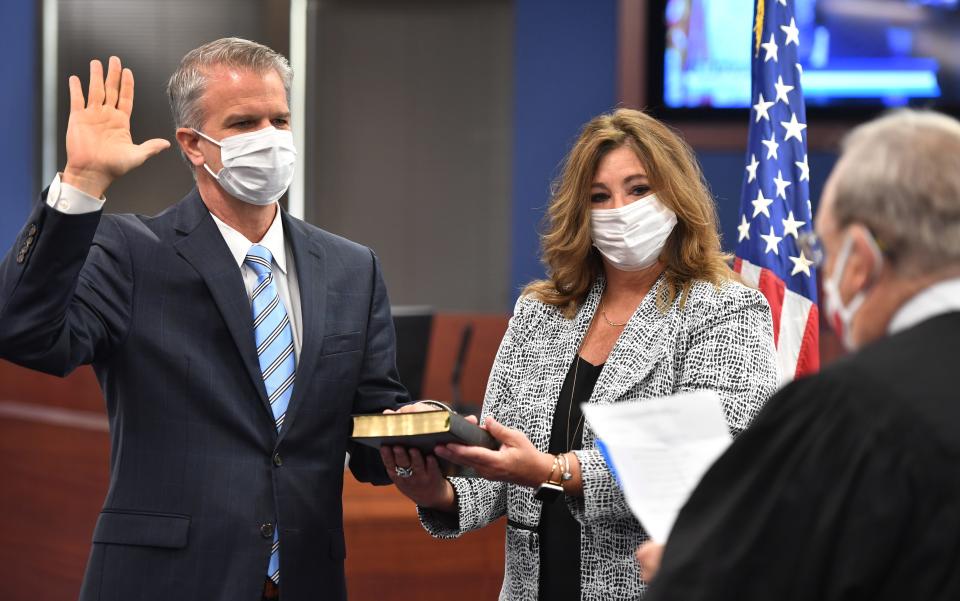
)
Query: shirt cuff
[{"x": 72, "y": 201}]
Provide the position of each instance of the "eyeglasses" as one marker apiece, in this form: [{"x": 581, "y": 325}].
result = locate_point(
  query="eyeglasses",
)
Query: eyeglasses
[{"x": 809, "y": 245}]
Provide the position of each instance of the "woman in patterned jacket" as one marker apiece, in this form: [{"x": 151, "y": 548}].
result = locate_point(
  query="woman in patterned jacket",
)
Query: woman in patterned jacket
[{"x": 639, "y": 303}]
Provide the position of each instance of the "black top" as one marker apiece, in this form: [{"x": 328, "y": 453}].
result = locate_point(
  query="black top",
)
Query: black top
[
  {"x": 845, "y": 487},
  {"x": 559, "y": 531}
]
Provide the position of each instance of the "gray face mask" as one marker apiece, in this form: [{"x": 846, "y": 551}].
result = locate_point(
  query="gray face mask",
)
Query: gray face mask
[
  {"x": 632, "y": 237},
  {"x": 257, "y": 166}
]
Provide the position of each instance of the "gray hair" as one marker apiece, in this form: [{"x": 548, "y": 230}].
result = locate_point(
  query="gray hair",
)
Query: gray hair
[
  {"x": 189, "y": 81},
  {"x": 900, "y": 176}
]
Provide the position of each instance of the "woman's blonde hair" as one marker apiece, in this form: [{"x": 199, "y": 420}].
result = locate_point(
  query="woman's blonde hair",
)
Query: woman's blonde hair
[{"x": 692, "y": 251}]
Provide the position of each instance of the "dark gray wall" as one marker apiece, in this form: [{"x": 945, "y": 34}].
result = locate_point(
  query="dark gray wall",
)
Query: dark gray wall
[
  {"x": 150, "y": 37},
  {"x": 408, "y": 123},
  {"x": 410, "y": 133}
]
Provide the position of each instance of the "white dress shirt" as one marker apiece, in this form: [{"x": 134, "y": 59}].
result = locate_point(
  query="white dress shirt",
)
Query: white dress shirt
[
  {"x": 68, "y": 199},
  {"x": 942, "y": 297}
]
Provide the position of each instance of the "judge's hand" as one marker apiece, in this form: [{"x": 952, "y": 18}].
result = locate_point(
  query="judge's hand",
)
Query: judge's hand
[
  {"x": 516, "y": 461},
  {"x": 649, "y": 555},
  {"x": 99, "y": 146}
]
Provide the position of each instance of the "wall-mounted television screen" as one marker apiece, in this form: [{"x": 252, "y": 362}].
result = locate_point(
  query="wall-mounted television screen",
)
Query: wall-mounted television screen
[{"x": 855, "y": 54}]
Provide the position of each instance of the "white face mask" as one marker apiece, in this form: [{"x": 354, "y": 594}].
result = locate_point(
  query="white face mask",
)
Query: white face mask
[
  {"x": 632, "y": 237},
  {"x": 839, "y": 315},
  {"x": 257, "y": 166}
]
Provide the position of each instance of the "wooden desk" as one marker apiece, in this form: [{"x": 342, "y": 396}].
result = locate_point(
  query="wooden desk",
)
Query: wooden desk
[{"x": 390, "y": 556}]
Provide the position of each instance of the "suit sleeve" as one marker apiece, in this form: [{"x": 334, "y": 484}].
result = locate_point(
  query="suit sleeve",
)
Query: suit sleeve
[
  {"x": 65, "y": 291},
  {"x": 730, "y": 352},
  {"x": 480, "y": 501},
  {"x": 379, "y": 384}
]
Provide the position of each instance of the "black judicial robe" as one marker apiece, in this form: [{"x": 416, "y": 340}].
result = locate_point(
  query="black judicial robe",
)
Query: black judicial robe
[{"x": 847, "y": 486}]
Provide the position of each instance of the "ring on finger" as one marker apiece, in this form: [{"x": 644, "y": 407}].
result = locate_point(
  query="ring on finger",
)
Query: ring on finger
[{"x": 403, "y": 472}]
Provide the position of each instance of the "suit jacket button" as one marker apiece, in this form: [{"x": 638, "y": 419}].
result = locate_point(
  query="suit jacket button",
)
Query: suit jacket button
[
  {"x": 266, "y": 530},
  {"x": 277, "y": 460},
  {"x": 28, "y": 241},
  {"x": 22, "y": 255},
  {"x": 32, "y": 230}
]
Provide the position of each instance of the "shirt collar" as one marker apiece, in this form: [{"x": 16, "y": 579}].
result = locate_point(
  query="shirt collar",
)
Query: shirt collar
[
  {"x": 942, "y": 297},
  {"x": 239, "y": 245}
]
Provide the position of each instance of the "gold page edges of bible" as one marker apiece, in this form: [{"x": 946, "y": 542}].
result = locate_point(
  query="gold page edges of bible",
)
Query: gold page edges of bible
[{"x": 423, "y": 430}]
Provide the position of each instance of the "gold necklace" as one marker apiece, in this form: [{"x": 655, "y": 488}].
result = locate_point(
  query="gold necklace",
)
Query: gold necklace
[{"x": 612, "y": 324}]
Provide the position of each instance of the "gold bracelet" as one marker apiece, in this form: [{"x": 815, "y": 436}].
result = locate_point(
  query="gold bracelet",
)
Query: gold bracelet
[
  {"x": 555, "y": 468},
  {"x": 548, "y": 491}
]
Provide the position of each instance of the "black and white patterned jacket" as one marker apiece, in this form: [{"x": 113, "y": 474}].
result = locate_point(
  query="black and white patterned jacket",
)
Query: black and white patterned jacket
[{"x": 721, "y": 340}]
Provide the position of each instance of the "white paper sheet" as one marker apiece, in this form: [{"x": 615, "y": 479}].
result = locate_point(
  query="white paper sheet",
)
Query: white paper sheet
[{"x": 659, "y": 449}]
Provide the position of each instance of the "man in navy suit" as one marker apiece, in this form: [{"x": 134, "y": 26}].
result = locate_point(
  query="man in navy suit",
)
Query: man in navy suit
[{"x": 231, "y": 340}]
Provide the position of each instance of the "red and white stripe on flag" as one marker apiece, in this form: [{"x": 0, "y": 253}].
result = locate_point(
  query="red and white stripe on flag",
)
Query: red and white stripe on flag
[{"x": 796, "y": 320}]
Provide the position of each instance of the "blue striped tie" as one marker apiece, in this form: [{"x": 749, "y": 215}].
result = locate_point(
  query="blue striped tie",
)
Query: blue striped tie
[{"x": 274, "y": 338}]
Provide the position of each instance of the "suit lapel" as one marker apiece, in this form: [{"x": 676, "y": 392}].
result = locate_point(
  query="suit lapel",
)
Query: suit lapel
[
  {"x": 202, "y": 245},
  {"x": 576, "y": 330},
  {"x": 636, "y": 352},
  {"x": 308, "y": 256},
  {"x": 557, "y": 364}
]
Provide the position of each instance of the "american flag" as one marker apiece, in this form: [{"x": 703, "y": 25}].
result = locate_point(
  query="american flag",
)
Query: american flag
[{"x": 775, "y": 202}]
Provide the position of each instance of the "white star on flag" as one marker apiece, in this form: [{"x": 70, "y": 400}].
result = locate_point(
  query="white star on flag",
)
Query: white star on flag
[
  {"x": 772, "y": 241},
  {"x": 793, "y": 128},
  {"x": 791, "y": 227},
  {"x": 801, "y": 265},
  {"x": 793, "y": 34},
  {"x": 781, "y": 185},
  {"x": 771, "y": 145},
  {"x": 804, "y": 169},
  {"x": 752, "y": 168},
  {"x": 743, "y": 229},
  {"x": 782, "y": 90},
  {"x": 761, "y": 204},
  {"x": 771, "y": 49},
  {"x": 762, "y": 109},
  {"x": 776, "y": 164}
]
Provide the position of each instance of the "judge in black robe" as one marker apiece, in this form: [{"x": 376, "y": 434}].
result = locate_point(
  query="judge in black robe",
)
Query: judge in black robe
[{"x": 847, "y": 485}]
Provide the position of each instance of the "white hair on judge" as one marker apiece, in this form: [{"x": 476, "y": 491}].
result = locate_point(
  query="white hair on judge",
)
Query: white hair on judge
[{"x": 900, "y": 176}]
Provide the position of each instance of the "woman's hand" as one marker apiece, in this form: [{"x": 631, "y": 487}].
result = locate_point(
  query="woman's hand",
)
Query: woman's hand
[
  {"x": 425, "y": 485},
  {"x": 516, "y": 461}
]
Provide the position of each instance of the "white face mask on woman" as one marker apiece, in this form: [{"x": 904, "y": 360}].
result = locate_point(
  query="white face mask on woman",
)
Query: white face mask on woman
[
  {"x": 633, "y": 236},
  {"x": 257, "y": 166}
]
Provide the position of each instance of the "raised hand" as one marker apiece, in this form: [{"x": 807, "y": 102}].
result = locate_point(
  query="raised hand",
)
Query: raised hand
[{"x": 99, "y": 146}]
